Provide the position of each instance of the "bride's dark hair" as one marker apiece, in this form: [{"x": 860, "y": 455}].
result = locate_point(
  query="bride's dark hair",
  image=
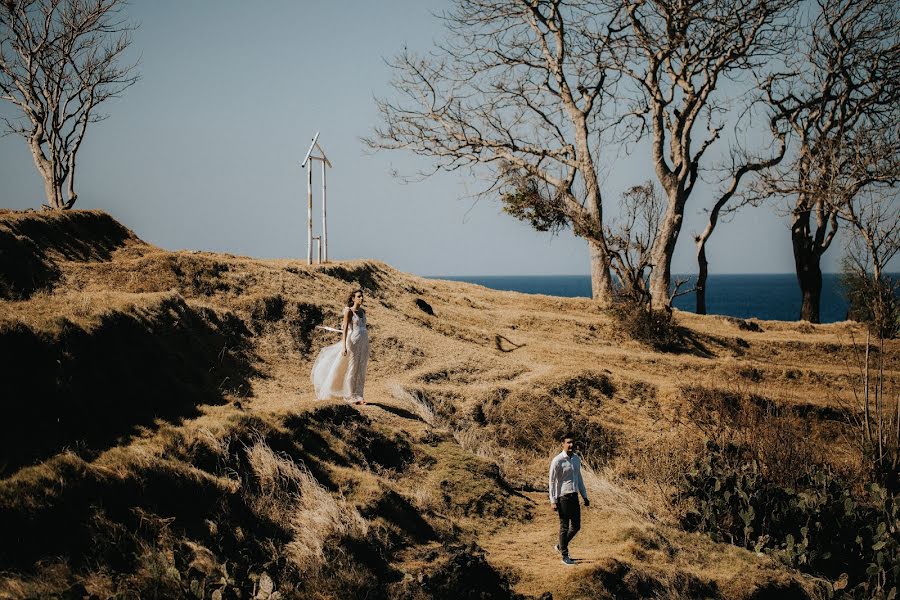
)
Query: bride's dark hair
[{"x": 353, "y": 293}]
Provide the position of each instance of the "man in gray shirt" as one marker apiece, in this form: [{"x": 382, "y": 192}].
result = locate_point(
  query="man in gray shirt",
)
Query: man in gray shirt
[{"x": 565, "y": 484}]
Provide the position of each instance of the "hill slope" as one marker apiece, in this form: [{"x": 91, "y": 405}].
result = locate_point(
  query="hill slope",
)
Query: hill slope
[{"x": 161, "y": 437}]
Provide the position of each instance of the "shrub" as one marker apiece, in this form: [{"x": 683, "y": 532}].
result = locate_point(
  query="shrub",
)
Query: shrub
[
  {"x": 873, "y": 301},
  {"x": 641, "y": 322},
  {"x": 819, "y": 525},
  {"x": 774, "y": 437}
]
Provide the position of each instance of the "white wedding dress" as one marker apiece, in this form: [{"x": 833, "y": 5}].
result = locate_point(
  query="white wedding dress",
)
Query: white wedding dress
[{"x": 337, "y": 376}]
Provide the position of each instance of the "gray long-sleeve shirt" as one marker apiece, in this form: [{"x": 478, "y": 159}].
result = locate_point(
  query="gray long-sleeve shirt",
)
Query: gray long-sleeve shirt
[{"x": 565, "y": 476}]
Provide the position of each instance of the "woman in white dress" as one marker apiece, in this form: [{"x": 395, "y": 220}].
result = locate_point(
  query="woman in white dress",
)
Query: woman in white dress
[{"x": 340, "y": 369}]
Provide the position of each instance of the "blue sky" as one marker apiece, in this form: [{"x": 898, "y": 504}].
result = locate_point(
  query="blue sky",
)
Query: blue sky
[{"x": 204, "y": 152}]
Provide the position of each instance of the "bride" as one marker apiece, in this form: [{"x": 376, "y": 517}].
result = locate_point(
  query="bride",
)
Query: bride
[{"x": 340, "y": 369}]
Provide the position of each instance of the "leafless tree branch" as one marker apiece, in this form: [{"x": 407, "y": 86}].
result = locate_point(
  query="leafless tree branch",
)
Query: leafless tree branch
[{"x": 839, "y": 100}]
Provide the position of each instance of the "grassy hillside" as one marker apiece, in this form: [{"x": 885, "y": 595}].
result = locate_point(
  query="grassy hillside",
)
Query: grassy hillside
[{"x": 161, "y": 438}]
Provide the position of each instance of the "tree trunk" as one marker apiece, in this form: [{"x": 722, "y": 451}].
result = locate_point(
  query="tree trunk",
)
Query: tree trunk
[
  {"x": 601, "y": 281},
  {"x": 810, "y": 279},
  {"x": 807, "y": 264},
  {"x": 54, "y": 194},
  {"x": 703, "y": 273},
  {"x": 52, "y": 188},
  {"x": 663, "y": 249}
]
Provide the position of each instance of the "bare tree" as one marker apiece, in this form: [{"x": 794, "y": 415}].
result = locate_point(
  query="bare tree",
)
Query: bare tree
[
  {"x": 60, "y": 59},
  {"x": 875, "y": 414},
  {"x": 875, "y": 232},
  {"x": 729, "y": 201},
  {"x": 518, "y": 91},
  {"x": 872, "y": 216},
  {"x": 678, "y": 55},
  {"x": 838, "y": 94},
  {"x": 630, "y": 240},
  {"x": 860, "y": 181}
]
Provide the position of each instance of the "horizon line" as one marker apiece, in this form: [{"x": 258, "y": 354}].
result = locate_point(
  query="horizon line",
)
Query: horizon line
[{"x": 588, "y": 274}]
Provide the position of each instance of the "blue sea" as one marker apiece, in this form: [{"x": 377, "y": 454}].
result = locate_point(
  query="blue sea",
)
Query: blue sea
[{"x": 771, "y": 297}]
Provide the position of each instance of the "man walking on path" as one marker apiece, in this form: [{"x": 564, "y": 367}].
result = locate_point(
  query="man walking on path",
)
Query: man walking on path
[{"x": 565, "y": 484}]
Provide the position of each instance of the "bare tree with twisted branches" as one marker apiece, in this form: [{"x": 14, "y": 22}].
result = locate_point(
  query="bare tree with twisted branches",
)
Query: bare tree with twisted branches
[
  {"x": 839, "y": 100},
  {"x": 518, "y": 91},
  {"x": 632, "y": 237},
  {"x": 59, "y": 60},
  {"x": 677, "y": 57}
]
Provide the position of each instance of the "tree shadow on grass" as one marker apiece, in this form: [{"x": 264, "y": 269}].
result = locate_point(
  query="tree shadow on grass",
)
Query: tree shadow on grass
[{"x": 688, "y": 341}]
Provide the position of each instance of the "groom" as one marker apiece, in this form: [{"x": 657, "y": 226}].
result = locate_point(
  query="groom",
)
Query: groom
[{"x": 565, "y": 484}]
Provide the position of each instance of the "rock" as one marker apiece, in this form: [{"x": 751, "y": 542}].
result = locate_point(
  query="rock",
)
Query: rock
[
  {"x": 266, "y": 586},
  {"x": 424, "y": 306}
]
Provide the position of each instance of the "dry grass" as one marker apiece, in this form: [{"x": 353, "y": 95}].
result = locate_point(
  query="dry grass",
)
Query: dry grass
[
  {"x": 287, "y": 493},
  {"x": 417, "y": 403},
  {"x": 463, "y": 402},
  {"x": 602, "y": 489}
]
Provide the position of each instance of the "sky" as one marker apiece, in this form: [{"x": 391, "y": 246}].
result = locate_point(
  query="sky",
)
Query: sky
[{"x": 204, "y": 151}]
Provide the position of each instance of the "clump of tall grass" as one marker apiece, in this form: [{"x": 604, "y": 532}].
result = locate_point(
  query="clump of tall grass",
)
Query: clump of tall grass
[
  {"x": 286, "y": 493},
  {"x": 418, "y": 403},
  {"x": 604, "y": 491},
  {"x": 874, "y": 413},
  {"x": 479, "y": 441},
  {"x": 643, "y": 323}
]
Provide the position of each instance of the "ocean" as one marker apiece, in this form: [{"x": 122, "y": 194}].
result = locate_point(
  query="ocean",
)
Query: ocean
[{"x": 770, "y": 297}]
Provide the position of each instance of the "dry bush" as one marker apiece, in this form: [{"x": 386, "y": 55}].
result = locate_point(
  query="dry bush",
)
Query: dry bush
[
  {"x": 588, "y": 388},
  {"x": 437, "y": 409},
  {"x": 157, "y": 575},
  {"x": 522, "y": 423},
  {"x": 873, "y": 416},
  {"x": 782, "y": 442},
  {"x": 654, "y": 469},
  {"x": 603, "y": 490},
  {"x": 482, "y": 443},
  {"x": 287, "y": 494},
  {"x": 422, "y": 496},
  {"x": 640, "y": 322},
  {"x": 48, "y": 579},
  {"x": 464, "y": 572},
  {"x": 477, "y": 440},
  {"x": 617, "y": 580},
  {"x": 399, "y": 355},
  {"x": 283, "y": 327},
  {"x": 530, "y": 423},
  {"x": 466, "y": 485},
  {"x": 642, "y": 391}
]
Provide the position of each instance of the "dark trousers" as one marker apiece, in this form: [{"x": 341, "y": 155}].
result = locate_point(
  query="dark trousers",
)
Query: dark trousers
[{"x": 569, "y": 510}]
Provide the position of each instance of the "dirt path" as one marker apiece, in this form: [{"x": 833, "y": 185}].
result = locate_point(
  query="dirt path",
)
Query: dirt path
[{"x": 528, "y": 550}]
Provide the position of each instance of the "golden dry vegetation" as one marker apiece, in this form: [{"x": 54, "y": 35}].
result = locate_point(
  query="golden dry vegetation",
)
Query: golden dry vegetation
[{"x": 161, "y": 439}]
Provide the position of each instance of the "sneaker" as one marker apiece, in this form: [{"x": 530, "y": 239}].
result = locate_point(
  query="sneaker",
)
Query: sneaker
[{"x": 567, "y": 561}]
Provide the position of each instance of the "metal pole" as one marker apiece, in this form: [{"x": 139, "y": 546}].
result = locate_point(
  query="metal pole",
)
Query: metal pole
[
  {"x": 309, "y": 253},
  {"x": 324, "y": 245}
]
